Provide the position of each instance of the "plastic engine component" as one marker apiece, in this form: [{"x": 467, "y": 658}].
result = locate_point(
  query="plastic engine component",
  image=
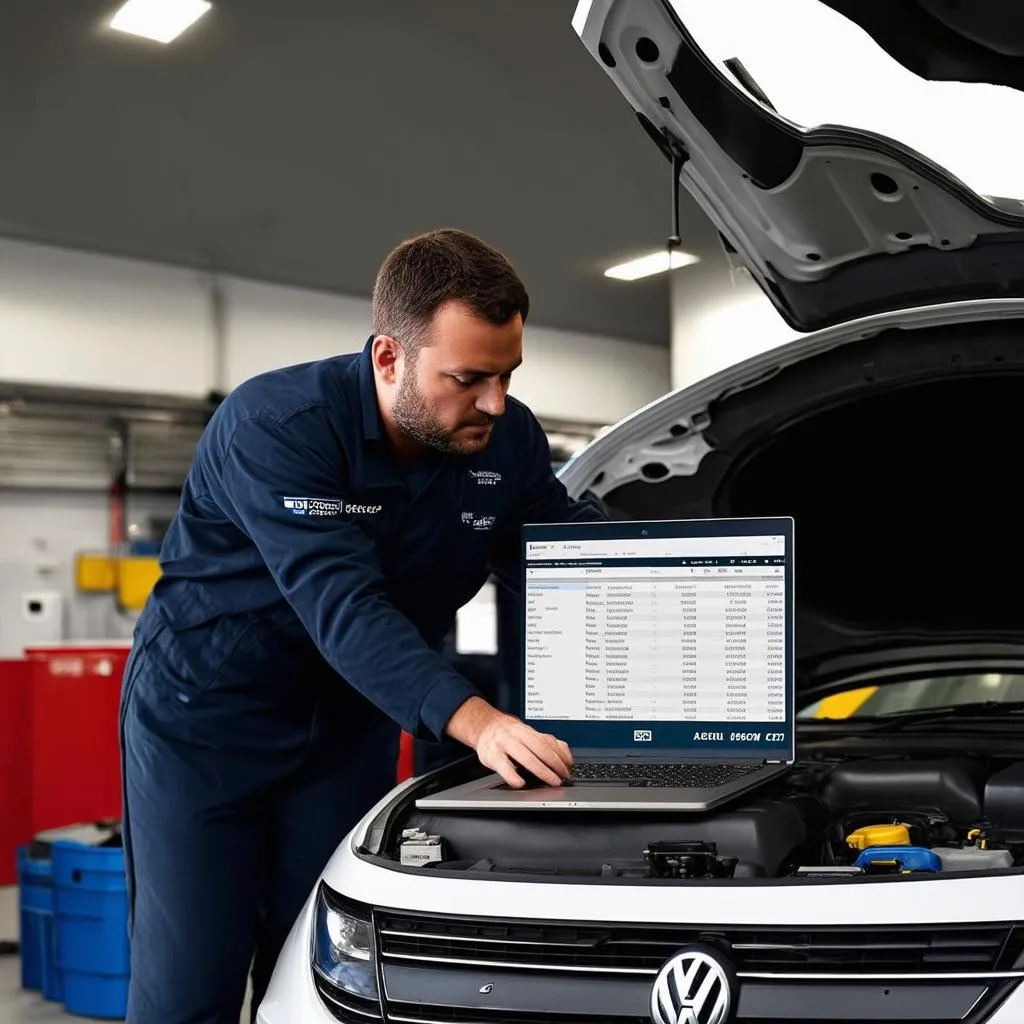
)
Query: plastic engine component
[
  {"x": 688, "y": 859},
  {"x": 1004, "y": 798},
  {"x": 901, "y": 858},
  {"x": 879, "y": 835},
  {"x": 828, "y": 871},
  {"x": 953, "y": 787},
  {"x": 761, "y": 836},
  {"x": 972, "y": 858}
]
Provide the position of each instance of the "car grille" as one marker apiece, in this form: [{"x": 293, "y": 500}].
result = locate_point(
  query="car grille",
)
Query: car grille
[
  {"x": 626, "y": 950},
  {"x": 432, "y": 968}
]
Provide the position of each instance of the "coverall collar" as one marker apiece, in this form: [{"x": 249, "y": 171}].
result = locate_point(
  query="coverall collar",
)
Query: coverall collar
[{"x": 372, "y": 427}]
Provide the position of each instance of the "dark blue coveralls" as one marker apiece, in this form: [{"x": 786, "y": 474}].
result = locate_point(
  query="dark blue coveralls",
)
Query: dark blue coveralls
[{"x": 308, "y": 583}]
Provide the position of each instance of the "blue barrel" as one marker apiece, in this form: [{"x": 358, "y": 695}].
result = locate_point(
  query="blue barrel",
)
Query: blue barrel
[
  {"x": 91, "y": 902},
  {"x": 39, "y": 971}
]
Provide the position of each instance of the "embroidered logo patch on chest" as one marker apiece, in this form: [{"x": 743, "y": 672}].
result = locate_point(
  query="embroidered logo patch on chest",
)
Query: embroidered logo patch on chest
[
  {"x": 485, "y": 477},
  {"x": 331, "y": 508},
  {"x": 478, "y": 522}
]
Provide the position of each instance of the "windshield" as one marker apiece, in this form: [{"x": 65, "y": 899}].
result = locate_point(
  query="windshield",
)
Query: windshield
[
  {"x": 817, "y": 68},
  {"x": 922, "y": 694}
]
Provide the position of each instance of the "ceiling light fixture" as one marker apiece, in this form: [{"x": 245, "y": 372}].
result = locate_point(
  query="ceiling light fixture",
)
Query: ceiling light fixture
[
  {"x": 159, "y": 20},
  {"x": 653, "y": 263}
]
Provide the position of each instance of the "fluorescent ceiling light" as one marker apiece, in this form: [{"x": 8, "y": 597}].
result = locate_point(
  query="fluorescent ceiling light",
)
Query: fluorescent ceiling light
[
  {"x": 819, "y": 68},
  {"x": 159, "y": 20},
  {"x": 653, "y": 263}
]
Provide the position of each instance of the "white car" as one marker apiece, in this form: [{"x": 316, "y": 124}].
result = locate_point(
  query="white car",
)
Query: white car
[{"x": 890, "y": 432}]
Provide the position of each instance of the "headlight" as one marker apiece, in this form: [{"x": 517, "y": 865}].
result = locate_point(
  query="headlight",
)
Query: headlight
[{"x": 343, "y": 952}]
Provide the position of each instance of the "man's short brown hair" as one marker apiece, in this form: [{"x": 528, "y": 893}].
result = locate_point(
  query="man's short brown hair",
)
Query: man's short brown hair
[{"x": 423, "y": 273}]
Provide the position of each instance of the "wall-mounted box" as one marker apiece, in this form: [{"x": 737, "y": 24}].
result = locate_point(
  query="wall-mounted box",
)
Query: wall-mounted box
[
  {"x": 95, "y": 573},
  {"x": 136, "y": 577}
]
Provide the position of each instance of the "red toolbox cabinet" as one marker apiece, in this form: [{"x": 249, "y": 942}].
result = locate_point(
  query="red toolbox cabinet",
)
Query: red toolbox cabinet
[
  {"x": 75, "y": 757},
  {"x": 15, "y": 766}
]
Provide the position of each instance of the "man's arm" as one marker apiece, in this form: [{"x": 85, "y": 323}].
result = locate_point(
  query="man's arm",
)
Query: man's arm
[{"x": 329, "y": 572}]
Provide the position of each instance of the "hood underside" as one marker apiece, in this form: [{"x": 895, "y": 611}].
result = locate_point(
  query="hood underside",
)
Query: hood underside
[
  {"x": 834, "y": 221},
  {"x": 897, "y": 455},
  {"x": 947, "y": 40}
]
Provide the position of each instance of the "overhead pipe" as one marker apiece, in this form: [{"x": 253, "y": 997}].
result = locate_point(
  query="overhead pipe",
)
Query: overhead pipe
[{"x": 119, "y": 490}]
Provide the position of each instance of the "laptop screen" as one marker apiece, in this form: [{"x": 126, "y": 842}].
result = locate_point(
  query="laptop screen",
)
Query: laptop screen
[{"x": 661, "y": 637}]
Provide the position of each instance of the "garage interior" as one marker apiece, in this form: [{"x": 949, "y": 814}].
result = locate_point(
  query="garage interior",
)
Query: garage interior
[{"x": 178, "y": 216}]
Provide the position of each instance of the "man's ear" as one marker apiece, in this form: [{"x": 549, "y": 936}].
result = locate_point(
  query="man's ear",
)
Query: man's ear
[{"x": 387, "y": 356}]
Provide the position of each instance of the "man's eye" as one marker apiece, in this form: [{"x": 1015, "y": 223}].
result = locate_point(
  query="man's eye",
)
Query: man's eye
[{"x": 466, "y": 382}]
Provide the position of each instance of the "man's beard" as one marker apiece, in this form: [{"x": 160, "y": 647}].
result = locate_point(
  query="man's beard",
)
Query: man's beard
[{"x": 418, "y": 422}]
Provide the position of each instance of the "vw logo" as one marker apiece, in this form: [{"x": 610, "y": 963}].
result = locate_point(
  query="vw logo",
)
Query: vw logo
[{"x": 692, "y": 988}]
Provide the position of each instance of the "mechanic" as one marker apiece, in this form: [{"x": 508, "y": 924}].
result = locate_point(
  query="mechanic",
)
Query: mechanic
[{"x": 335, "y": 517}]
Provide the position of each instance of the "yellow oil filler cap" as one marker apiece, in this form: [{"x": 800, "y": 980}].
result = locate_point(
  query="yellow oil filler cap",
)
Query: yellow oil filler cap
[{"x": 879, "y": 835}]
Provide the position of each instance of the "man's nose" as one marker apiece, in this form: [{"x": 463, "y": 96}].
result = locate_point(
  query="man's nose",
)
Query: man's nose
[{"x": 492, "y": 401}]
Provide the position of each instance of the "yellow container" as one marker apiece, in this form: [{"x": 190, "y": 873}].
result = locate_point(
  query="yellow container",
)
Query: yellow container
[
  {"x": 879, "y": 835},
  {"x": 136, "y": 577},
  {"x": 95, "y": 572}
]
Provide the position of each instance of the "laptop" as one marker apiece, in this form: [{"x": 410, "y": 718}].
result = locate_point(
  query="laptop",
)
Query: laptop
[{"x": 662, "y": 653}]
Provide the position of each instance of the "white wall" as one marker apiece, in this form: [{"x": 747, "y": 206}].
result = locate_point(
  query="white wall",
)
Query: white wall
[
  {"x": 81, "y": 319},
  {"x": 269, "y": 326},
  {"x": 74, "y": 318},
  {"x": 588, "y": 378},
  {"x": 719, "y": 317}
]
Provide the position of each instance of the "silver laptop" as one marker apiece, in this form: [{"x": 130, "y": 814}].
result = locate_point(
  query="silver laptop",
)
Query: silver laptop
[{"x": 662, "y": 653}]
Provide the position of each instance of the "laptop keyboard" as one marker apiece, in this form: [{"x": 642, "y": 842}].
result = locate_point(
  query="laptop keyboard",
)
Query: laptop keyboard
[{"x": 690, "y": 776}]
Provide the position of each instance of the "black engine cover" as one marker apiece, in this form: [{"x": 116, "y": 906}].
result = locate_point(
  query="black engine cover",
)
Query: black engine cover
[
  {"x": 762, "y": 835},
  {"x": 952, "y": 787},
  {"x": 1004, "y": 798}
]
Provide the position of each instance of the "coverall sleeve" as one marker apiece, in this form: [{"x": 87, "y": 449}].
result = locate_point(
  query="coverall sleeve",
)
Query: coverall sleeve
[
  {"x": 544, "y": 499},
  {"x": 328, "y": 570}
]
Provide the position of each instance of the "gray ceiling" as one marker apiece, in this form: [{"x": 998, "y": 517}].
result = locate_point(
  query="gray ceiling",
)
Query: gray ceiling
[{"x": 298, "y": 140}]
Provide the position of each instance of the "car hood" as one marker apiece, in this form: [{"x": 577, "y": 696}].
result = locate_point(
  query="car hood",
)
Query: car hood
[
  {"x": 835, "y": 221},
  {"x": 894, "y": 443}
]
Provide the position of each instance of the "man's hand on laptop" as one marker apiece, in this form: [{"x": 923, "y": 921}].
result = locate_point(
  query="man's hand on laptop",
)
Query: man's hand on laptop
[{"x": 503, "y": 743}]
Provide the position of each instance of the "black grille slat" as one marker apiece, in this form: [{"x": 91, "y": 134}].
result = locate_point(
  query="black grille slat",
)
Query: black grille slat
[
  {"x": 871, "y": 951},
  {"x": 960, "y": 949},
  {"x": 526, "y": 955}
]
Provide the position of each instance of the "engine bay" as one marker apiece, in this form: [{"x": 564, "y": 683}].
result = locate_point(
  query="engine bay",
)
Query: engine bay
[{"x": 850, "y": 818}]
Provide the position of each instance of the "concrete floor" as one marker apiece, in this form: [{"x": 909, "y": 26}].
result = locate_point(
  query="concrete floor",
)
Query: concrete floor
[{"x": 17, "y": 1006}]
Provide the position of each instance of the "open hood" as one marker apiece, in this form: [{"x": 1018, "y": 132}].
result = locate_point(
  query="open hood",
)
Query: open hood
[
  {"x": 838, "y": 210},
  {"x": 895, "y": 445}
]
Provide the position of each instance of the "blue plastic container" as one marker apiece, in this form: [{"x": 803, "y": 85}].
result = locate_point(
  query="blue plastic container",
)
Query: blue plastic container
[
  {"x": 91, "y": 902},
  {"x": 39, "y": 970},
  {"x": 905, "y": 858}
]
